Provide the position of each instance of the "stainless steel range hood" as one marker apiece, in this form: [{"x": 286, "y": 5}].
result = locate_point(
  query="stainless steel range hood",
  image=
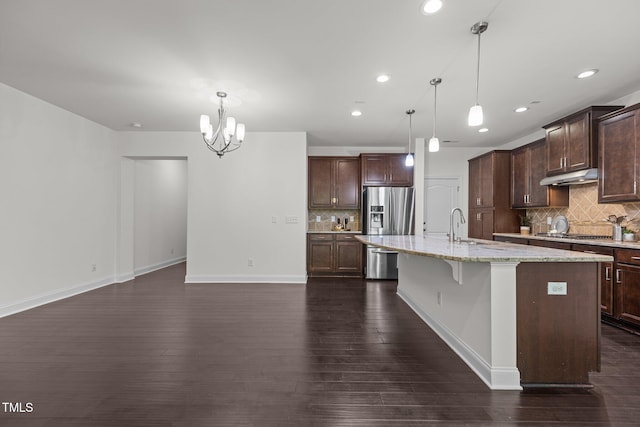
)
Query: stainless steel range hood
[{"x": 579, "y": 177}]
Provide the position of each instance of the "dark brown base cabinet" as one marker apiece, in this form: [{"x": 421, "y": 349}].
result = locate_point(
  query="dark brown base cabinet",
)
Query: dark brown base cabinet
[
  {"x": 619, "y": 280},
  {"x": 333, "y": 255}
]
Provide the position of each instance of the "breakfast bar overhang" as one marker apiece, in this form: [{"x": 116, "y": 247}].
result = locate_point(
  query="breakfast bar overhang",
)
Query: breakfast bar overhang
[{"x": 517, "y": 315}]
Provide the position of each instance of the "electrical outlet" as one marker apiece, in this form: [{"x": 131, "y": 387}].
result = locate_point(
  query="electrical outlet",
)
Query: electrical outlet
[
  {"x": 291, "y": 219},
  {"x": 556, "y": 288},
  {"x": 333, "y": 218},
  {"x": 439, "y": 298},
  {"x": 318, "y": 218},
  {"x": 351, "y": 219},
  {"x": 548, "y": 220},
  {"x": 250, "y": 262}
]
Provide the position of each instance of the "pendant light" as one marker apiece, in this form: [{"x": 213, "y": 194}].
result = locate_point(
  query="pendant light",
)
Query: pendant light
[
  {"x": 475, "y": 112},
  {"x": 408, "y": 161},
  {"x": 434, "y": 143}
]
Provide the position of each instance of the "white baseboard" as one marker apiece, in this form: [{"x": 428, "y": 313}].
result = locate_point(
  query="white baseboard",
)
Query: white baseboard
[
  {"x": 149, "y": 268},
  {"x": 46, "y": 298},
  {"x": 494, "y": 378},
  {"x": 246, "y": 279}
]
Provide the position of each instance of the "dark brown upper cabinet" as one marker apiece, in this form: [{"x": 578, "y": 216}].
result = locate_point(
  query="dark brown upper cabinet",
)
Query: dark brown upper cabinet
[
  {"x": 619, "y": 162},
  {"x": 334, "y": 182},
  {"x": 528, "y": 167},
  {"x": 385, "y": 170},
  {"x": 572, "y": 142}
]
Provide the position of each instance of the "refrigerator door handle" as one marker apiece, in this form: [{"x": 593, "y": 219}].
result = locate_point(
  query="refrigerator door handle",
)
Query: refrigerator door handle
[{"x": 383, "y": 252}]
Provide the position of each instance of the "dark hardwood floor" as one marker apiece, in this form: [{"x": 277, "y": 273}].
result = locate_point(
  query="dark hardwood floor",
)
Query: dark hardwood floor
[{"x": 156, "y": 352}]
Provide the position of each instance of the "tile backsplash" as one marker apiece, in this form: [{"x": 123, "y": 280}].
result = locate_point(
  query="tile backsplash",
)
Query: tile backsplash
[
  {"x": 326, "y": 224},
  {"x": 585, "y": 214}
]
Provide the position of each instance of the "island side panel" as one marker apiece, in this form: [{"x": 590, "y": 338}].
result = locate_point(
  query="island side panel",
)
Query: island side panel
[
  {"x": 558, "y": 335},
  {"x": 455, "y": 299}
]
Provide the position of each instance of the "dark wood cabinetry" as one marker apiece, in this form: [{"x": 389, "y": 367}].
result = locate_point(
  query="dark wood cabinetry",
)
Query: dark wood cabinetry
[
  {"x": 385, "y": 170},
  {"x": 334, "y": 182},
  {"x": 334, "y": 255},
  {"x": 528, "y": 167},
  {"x": 619, "y": 160},
  {"x": 572, "y": 142},
  {"x": 606, "y": 275},
  {"x": 627, "y": 286},
  {"x": 489, "y": 202}
]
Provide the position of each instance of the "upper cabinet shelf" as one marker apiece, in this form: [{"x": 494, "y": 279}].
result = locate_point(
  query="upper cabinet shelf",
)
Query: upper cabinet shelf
[
  {"x": 572, "y": 142},
  {"x": 385, "y": 170},
  {"x": 334, "y": 183}
]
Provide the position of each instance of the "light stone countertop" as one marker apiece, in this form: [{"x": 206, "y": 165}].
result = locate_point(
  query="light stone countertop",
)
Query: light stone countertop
[
  {"x": 335, "y": 232},
  {"x": 598, "y": 242},
  {"x": 481, "y": 251}
]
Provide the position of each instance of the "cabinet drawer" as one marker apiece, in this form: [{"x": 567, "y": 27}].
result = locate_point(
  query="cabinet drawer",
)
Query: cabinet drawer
[
  {"x": 320, "y": 237},
  {"x": 592, "y": 249},
  {"x": 345, "y": 237},
  {"x": 628, "y": 256}
]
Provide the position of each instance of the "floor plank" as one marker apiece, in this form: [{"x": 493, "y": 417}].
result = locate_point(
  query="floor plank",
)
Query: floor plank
[{"x": 157, "y": 352}]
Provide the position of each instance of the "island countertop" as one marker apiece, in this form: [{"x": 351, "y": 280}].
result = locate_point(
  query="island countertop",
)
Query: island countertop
[{"x": 476, "y": 250}]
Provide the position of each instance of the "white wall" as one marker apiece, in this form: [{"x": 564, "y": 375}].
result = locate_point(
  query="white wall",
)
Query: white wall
[
  {"x": 160, "y": 213},
  {"x": 233, "y": 201},
  {"x": 58, "y": 181}
]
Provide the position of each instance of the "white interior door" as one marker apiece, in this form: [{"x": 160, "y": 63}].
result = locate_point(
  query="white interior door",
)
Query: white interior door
[{"x": 441, "y": 195}]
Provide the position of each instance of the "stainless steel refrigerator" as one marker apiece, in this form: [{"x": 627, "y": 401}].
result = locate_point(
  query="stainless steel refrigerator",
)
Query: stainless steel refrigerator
[{"x": 386, "y": 210}]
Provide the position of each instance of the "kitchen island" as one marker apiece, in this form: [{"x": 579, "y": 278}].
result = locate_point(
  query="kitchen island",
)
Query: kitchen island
[{"x": 517, "y": 315}]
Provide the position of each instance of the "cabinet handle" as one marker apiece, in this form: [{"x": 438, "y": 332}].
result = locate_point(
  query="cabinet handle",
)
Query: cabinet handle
[
  {"x": 477, "y": 201},
  {"x": 479, "y": 216},
  {"x": 590, "y": 252},
  {"x": 607, "y": 273},
  {"x": 635, "y": 257},
  {"x": 334, "y": 200},
  {"x": 618, "y": 275}
]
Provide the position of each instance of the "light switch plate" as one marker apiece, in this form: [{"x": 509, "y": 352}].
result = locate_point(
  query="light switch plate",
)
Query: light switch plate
[{"x": 556, "y": 288}]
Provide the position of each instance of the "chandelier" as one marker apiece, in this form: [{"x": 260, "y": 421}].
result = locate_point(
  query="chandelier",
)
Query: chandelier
[{"x": 221, "y": 141}]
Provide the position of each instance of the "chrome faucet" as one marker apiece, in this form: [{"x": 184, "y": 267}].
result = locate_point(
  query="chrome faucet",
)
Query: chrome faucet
[{"x": 452, "y": 234}]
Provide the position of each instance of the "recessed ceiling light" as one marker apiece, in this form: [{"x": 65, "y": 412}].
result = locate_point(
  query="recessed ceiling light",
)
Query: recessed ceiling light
[
  {"x": 586, "y": 74},
  {"x": 136, "y": 125},
  {"x": 521, "y": 109},
  {"x": 483, "y": 130},
  {"x": 382, "y": 78},
  {"x": 429, "y": 7},
  {"x": 356, "y": 113}
]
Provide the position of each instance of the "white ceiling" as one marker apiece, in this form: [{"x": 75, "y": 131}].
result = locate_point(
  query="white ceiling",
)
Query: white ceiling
[{"x": 303, "y": 65}]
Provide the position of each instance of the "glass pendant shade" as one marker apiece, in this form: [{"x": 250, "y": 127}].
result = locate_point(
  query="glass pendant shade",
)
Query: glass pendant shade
[
  {"x": 204, "y": 123},
  {"x": 231, "y": 126},
  {"x": 408, "y": 161},
  {"x": 431, "y": 6},
  {"x": 434, "y": 145},
  {"x": 240, "y": 132},
  {"x": 475, "y": 115}
]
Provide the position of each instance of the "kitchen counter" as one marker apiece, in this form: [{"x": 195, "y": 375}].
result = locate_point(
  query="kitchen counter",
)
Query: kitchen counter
[
  {"x": 516, "y": 315},
  {"x": 476, "y": 250},
  {"x": 598, "y": 242}
]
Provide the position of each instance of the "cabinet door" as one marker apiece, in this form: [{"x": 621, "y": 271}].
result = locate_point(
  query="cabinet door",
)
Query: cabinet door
[
  {"x": 577, "y": 143},
  {"x": 481, "y": 224},
  {"x": 539, "y": 195},
  {"x": 348, "y": 253},
  {"x": 400, "y": 174},
  {"x": 374, "y": 170},
  {"x": 628, "y": 293},
  {"x": 347, "y": 183},
  {"x": 486, "y": 181},
  {"x": 320, "y": 182},
  {"x": 520, "y": 178},
  {"x": 606, "y": 288},
  {"x": 555, "y": 149},
  {"x": 474, "y": 183},
  {"x": 619, "y": 142},
  {"x": 320, "y": 253}
]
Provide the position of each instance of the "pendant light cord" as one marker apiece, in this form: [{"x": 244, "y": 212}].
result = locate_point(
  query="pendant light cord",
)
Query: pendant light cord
[
  {"x": 435, "y": 97},
  {"x": 478, "y": 71}
]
